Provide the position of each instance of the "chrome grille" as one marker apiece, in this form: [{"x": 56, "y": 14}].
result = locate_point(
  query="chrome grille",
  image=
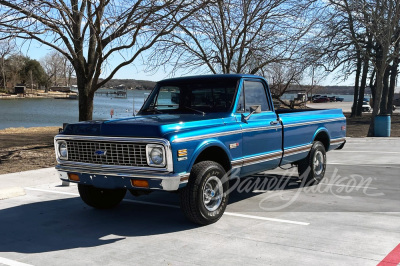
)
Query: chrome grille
[{"x": 116, "y": 153}]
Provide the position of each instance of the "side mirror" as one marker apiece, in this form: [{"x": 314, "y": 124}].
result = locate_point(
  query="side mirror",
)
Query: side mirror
[{"x": 255, "y": 109}]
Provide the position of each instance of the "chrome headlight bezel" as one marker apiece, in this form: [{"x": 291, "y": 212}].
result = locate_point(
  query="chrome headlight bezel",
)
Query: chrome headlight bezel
[
  {"x": 62, "y": 154},
  {"x": 150, "y": 149}
]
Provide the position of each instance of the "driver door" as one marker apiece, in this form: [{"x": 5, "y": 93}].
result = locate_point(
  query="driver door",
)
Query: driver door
[{"x": 262, "y": 133}]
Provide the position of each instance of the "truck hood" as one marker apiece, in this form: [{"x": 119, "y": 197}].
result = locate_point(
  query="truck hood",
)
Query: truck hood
[{"x": 148, "y": 126}]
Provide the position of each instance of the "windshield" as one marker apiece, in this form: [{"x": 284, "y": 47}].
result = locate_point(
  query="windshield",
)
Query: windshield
[{"x": 191, "y": 96}]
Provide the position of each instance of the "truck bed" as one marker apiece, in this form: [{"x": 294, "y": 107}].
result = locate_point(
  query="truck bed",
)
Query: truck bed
[{"x": 300, "y": 126}]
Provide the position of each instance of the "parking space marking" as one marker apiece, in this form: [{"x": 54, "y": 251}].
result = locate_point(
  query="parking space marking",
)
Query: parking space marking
[
  {"x": 338, "y": 185},
  {"x": 51, "y": 191},
  {"x": 387, "y": 165},
  {"x": 393, "y": 258},
  {"x": 265, "y": 218},
  {"x": 383, "y": 152},
  {"x": 9, "y": 262},
  {"x": 177, "y": 207}
]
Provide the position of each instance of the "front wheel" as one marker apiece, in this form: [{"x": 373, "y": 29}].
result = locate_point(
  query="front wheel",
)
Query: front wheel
[
  {"x": 204, "y": 199},
  {"x": 312, "y": 168},
  {"x": 101, "y": 198}
]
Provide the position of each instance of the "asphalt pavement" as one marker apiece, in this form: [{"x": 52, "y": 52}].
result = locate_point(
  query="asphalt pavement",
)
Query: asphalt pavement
[{"x": 351, "y": 218}]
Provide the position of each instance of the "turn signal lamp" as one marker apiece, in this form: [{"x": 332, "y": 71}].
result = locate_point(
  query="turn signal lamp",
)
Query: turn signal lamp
[
  {"x": 140, "y": 183},
  {"x": 73, "y": 177}
]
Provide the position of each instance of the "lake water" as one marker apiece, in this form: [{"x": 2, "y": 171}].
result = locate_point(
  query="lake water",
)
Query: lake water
[{"x": 54, "y": 112}]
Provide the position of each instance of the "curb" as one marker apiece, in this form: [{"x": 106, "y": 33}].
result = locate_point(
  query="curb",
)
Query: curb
[{"x": 11, "y": 192}]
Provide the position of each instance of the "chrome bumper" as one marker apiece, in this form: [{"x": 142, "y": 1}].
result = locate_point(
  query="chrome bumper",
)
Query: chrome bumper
[{"x": 106, "y": 177}]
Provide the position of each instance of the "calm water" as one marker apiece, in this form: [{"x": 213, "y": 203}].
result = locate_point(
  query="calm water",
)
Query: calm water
[{"x": 54, "y": 112}]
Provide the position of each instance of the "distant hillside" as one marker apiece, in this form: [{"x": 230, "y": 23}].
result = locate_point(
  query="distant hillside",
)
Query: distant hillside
[
  {"x": 148, "y": 85},
  {"x": 131, "y": 84},
  {"x": 327, "y": 89}
]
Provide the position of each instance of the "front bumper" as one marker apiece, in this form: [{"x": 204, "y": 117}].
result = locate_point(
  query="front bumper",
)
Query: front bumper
[{"x": 112, "y": 179}]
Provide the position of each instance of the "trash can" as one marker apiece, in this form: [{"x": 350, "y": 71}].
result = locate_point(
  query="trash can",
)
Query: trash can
[{"x": 382, "y": 126}]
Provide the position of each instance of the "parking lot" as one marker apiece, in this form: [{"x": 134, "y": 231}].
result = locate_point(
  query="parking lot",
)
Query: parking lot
[{"x": 351, "y": 218}]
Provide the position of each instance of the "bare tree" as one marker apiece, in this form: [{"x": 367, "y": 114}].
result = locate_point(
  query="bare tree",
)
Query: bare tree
[
  {"x": 237, "y": 36},
  {"x": 53, "y": 64},
  {"x": 90, "y": 33},
  {"x": 7, "y": 47},
  {"x": 370, "y": 27},
  {"x": 281, "y": 77}
]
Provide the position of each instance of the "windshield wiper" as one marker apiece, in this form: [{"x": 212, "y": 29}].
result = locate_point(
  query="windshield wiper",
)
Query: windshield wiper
[{"x": 201, "y": 112}]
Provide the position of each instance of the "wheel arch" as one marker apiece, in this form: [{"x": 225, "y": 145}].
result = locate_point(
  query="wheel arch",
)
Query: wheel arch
[
  {"x": 212, "y": 151},
  {"x": 322, "y": 135}
]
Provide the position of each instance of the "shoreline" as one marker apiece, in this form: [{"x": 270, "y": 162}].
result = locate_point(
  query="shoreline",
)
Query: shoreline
[{"x": 40, "y": 95}]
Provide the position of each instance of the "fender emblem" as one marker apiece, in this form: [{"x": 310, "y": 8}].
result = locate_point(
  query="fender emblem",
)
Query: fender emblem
[{"x": 233, "y": 145}]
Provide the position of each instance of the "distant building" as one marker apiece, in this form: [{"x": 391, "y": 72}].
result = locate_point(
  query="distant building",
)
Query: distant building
[
  {"x": 120, "y": 87},
  {"x": 19, "y": 89}
]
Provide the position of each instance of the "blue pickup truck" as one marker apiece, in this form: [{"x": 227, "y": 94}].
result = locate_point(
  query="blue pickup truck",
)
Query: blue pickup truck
[{"x": 192, "y": 135}]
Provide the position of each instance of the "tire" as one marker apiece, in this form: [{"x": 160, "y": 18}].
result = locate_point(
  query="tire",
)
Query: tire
[
  {"x": 101, "y": 198},
  {"x": 313, "y": 167},
  {"x": 204, "y": 199}
]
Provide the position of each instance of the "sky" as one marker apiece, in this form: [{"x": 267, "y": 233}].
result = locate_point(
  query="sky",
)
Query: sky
[{"x": 137, "y": 71}]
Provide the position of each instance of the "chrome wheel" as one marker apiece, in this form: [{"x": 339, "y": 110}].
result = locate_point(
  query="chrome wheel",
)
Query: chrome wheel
[
  {"x": 212, "y": 193},
  {"x": 318, "y": 163}
]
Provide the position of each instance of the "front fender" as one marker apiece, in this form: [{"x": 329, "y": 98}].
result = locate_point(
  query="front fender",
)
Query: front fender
[{"x": 203, "y": 146}]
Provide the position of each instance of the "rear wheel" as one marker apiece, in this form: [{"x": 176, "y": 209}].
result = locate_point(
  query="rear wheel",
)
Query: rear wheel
[
  {"x": 101, "y": 198},
  {"x": 312, "y": 168},
  {"x": 204, "y": 199}
]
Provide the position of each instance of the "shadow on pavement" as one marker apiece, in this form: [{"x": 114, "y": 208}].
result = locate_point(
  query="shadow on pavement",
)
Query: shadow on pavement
[
  {"x": 68, "y": 223},
  {"x": 260, "y": 183}
]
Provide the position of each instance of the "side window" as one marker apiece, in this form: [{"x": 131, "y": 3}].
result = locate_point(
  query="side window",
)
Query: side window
[
  {"x": 255, "y": 95},
  {"x": 168, "y": 98}
]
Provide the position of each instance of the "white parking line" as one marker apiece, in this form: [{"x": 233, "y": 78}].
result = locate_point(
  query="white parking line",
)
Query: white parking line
[
  {"x": 51, "y": 191},
  {"x": 177, "y": 207},
  {"x": 387, "y": 165},
  {"x": 338, "y": 185},
  {"x": 373, "y": 152},
  {"x": 265, "y": 218},
  {"x": 12, "y": 262}
]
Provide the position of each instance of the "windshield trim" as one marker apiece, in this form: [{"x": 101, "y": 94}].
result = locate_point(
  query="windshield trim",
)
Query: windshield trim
[{"x": 163, "y": 83}]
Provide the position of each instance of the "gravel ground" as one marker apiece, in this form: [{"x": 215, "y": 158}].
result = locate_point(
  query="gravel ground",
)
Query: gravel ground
[{"x": 23, "y": 149}]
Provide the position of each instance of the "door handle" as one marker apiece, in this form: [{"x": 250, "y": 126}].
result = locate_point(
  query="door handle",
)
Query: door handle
[{"x": 275, "y": 122}]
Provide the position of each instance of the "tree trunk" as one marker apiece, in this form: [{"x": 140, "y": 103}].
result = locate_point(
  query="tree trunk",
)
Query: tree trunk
[
  {"x": 393, "y": 77},
  {"x": 394, "y": 70},
  {"x": 3, "y": 73},
  {"x": 85, "y": 106},
  {"x": 385, "y": 92},
  {"x": 362, "y": 86},
  {"x": 356, "y": 85},
  {"x": 364, "y": 75},
  {"x": 86, "y": 95},
  {"x": 381, "y": 56},
  {"x": 372, "y": 84}
]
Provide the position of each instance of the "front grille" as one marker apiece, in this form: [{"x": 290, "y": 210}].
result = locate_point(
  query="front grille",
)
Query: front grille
[{"x": 116, "y": 153}]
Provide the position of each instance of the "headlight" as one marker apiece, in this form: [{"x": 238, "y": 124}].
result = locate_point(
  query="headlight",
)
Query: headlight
[
  {"x": 62, "y": 150},
  {"x": 155, "y": 155}
]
